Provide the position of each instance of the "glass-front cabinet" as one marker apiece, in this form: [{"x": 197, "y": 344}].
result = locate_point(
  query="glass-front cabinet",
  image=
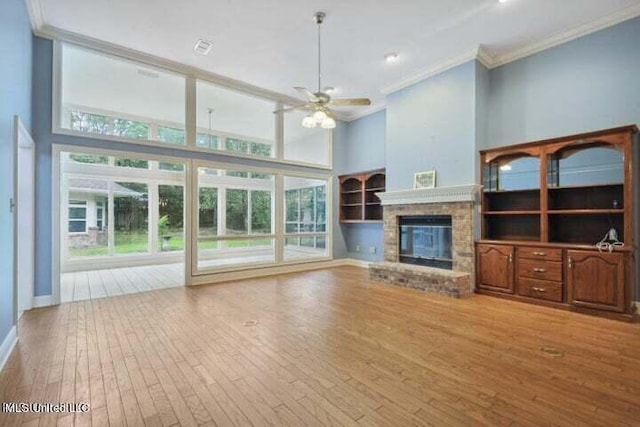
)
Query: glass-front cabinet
[{"x": 511, "y": 198}]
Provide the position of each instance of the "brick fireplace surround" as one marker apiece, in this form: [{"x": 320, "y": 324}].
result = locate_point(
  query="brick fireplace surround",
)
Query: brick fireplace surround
[{"x": 460, "y": 203}]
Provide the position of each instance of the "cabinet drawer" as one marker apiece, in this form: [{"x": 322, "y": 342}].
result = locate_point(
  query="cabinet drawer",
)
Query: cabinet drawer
[
  {"x": 542, "y": 289},
  {"x": 540, "y": 269},
  {"x": 540, "y": 253}
]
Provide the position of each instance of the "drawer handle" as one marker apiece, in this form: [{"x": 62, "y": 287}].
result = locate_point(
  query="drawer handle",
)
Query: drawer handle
[
  {"x": 539, "y": 270},
  {"x": 540, "y": 253},
  {"x": 539, "y": 289}
]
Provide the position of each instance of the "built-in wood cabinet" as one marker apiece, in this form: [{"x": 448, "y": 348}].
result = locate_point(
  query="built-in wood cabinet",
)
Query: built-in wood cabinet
[
  {"x": 358, "y": 200},
  {"x": 596, "y": 280},
  {"x": 495, "y": 268},
  {"x": 545, "y": 206}
]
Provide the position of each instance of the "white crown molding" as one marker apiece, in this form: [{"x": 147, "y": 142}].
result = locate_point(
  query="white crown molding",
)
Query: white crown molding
[
  {"x": 566, "y": 36},
  {"x": 379, "y": 106},
  {"x": 432, "y": 71},
  {"x": 34, "y": 8},
  {"x": 486, "y": 58},
  {"x": 457, "y": 193},
  {"x": 7, "y": 346}
]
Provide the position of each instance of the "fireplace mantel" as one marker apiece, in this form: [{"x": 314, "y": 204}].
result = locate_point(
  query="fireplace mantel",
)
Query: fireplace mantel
[{"x": 457, "y": 193}]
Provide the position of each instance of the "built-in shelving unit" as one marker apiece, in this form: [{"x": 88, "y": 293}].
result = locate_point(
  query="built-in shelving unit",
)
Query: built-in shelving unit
[
  {"x": 545, "y": 206},
  {"x": 358, "y": 200}
]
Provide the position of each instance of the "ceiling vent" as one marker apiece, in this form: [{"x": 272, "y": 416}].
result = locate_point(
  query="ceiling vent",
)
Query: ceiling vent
[{"x": 203, "y": 47}]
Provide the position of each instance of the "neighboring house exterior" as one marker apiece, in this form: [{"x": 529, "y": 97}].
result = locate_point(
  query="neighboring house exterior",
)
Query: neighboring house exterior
[{"x": 88, "y": 211}]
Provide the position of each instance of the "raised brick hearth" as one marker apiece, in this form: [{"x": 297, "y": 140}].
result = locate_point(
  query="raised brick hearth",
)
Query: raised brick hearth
[
  {"x": 454, "y": 284},
  {"x": 459, "y": 203}
]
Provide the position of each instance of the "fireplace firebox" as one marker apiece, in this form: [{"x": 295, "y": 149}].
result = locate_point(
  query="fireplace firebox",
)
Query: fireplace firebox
[{"x": 426, "y": 240}]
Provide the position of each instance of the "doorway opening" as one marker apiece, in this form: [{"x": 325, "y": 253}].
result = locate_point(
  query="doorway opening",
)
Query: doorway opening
[{"x": 122, "y": 224}]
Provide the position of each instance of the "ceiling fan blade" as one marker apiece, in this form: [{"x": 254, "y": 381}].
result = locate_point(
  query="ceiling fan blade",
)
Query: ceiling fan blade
[
  {"x": 349, "y": 102},
  {"x": 307, "y": 93},
  {"x": 295, "y": 107}
]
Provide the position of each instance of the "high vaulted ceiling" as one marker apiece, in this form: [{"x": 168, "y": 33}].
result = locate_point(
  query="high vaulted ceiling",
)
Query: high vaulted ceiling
[{"x": 272, "y": 44}]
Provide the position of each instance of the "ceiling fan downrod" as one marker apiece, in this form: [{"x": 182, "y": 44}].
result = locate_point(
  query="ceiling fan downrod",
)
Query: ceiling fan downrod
[{"x": 319, "y": 18}]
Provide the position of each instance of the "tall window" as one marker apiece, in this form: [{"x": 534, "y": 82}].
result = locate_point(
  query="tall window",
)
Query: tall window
[
  {"x": 105, "y": 95},
  {"x": 121, "y": 206},
  {"x": 233, "y": 121},
  {"x": 305, "y": 217},
  {"x": 235, "y": 218}
]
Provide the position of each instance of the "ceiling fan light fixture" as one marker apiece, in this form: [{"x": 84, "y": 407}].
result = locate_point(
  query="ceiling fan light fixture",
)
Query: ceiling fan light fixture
[
  {"x": 328, "y": 123},
  {"x": 309, "y": 122},
  {"x": 319, "y": 104},
  {"x": 320, "y": 116}
]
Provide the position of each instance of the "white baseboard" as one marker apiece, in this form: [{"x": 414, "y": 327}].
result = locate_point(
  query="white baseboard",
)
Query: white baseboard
[
  {"x": 42, "y": 301},
  {"x": 355, "y": 262},
  {"x": 7, "y": 346}
]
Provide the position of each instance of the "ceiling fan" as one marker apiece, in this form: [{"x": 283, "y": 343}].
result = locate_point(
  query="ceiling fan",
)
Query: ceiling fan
[{"x": 318, "y": 103}]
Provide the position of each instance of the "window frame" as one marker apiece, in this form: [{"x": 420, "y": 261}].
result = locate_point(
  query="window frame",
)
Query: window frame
[
  {"x": 191, "y": 75},
  {"x": 278, "y": 218},
  {"x": 77, "y": 205}
]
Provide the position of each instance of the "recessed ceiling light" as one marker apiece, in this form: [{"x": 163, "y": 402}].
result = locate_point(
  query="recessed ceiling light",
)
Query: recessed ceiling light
[
  {"x": 502, "y": 1},
  {"x": 391, "y": 57},
  {"x": 203, "y": 46}
]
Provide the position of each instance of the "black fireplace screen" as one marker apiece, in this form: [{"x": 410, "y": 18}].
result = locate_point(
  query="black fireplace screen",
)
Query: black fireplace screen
[{"x": 426, "y": 240}]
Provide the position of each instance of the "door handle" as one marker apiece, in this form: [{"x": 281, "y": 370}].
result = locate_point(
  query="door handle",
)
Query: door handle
[
  {"x": 540, "y": 253},
  {"x": 539, "y": 289},
  {"x": 539, "y": 270},
  {"x": 511, "y": 257},
  {"x": 570, "y": 262}
]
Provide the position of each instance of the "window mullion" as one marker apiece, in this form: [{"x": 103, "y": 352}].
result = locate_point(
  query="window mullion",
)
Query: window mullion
[
  {"x": 190, "y": 112},
  {"x": 279, "y": 214}
]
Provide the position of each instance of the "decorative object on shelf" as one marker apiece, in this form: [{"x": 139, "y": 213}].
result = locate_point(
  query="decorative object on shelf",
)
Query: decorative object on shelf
[
  {"x": 318, "y": 103},
  {"x": 425, "y": 179},
  {"x": 610, "y": 241}
]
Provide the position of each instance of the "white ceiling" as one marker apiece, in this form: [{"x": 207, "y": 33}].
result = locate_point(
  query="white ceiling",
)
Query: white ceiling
[{"x": 272, "y": 44}]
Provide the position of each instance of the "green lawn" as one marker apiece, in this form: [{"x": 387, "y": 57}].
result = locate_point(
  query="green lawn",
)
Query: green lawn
[{"x": 131, "y": 243}]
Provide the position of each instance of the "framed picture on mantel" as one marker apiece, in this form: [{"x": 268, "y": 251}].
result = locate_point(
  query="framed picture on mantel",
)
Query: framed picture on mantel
[{"x": 425, "y": 179}]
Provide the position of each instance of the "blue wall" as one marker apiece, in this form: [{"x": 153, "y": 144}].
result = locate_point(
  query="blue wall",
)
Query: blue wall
[
  {"x": 360, "y": 147},
  {"x": 431, "y": 125},
  {"x": 590, "y": 83},
  {"x": 42, "y": 90},
  {"x": 15, "y": 99}
]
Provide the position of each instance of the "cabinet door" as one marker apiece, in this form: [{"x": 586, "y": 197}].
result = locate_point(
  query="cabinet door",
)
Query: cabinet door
[
  {"x": 495, "y": 268},
  {"x": 596, "y": 280}
]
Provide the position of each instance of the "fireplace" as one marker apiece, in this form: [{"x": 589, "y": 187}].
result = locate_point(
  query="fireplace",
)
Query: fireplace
[
  {"x": 433, "y": 228},
  {"x": 426, "y": 240}
]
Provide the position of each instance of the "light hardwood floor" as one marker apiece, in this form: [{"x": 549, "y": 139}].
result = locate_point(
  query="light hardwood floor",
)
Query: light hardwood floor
[
  {"x": 329, "y": 348},
  {"x": 92, "y": 284}
]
